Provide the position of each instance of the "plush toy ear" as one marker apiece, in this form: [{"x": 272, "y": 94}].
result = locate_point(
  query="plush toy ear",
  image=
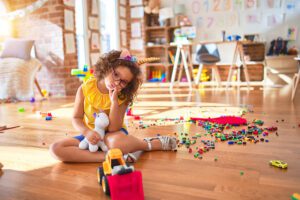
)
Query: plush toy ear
[{"x": 95, "y": 115}]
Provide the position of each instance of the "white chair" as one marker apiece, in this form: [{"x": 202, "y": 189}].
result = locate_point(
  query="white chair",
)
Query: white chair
[
  {"x": 18, "y": 70},
  {"x": 280, "y": 70},
  {"x": 17, "y": 78},
  {"x": 182, "y": 51},
  {"x": 208, "y": 55}
]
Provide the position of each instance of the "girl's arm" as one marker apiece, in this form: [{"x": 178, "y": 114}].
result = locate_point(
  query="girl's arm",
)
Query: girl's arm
[
  {"x": 117, "y": 113},
  {"x": 78, "y": 114},
  {"x": 77, "y": 120},
  {"x": 116, "y": 116}
]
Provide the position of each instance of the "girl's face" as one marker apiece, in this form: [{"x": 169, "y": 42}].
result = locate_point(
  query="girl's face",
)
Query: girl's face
[{"x": 118, "y": 78}]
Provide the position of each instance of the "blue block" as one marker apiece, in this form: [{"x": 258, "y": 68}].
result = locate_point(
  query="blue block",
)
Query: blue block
[
  {"x": 80, "y": 75},
  {"x": 48, "y": 118},
  {"x": 230, "y": 142}
]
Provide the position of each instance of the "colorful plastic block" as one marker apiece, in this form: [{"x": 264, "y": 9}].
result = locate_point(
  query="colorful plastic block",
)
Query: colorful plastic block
[
  {"x": 21, "y": 109},
  {"x": 48, "y": 118}
]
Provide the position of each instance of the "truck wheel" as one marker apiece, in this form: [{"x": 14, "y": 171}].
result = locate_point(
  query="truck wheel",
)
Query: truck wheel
[
  {"x": 100, "y": 174},
  {"x": 105, "y": 186}
]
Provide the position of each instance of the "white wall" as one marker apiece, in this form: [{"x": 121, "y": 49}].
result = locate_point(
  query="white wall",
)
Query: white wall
[{"x": 210, "y": 23}]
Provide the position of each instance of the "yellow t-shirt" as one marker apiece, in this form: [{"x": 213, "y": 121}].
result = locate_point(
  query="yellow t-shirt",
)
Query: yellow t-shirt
[{"x": 94, "y": 102}]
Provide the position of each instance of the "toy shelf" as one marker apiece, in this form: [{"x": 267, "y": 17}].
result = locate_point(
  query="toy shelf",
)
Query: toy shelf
[
  {"x": 157, "y": 72},
  {"x": 157, "y": 38}
]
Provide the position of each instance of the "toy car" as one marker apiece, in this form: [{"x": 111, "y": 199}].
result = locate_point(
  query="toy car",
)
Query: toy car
[
  {"x": 258, "y": 122},
  {"x": 272, "y": 128},
  {"x": 250, "y": 138},
  {"x": 279, "y": 164},
  {"x": 210, "y": 144},
  {"x": 119, "y": 180}
]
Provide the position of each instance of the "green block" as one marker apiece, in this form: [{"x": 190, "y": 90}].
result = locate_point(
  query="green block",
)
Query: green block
[
  {"x": 295, "y": 196},
  {"x": 75, "y": 71},
  {"x": 21, "y": 109}
]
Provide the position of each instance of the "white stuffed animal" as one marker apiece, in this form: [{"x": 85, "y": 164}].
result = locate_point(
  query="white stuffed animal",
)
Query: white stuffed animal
[{"x": 101, "y": 122}]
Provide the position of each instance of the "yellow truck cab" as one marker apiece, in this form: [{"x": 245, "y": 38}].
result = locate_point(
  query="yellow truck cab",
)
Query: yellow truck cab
[
  {"x": 113, "y": 164},
  {"x": 114, "y": 157}
]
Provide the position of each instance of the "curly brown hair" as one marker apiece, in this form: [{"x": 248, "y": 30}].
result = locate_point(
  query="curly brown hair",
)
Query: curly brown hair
[{"x": 110, "y": 60}]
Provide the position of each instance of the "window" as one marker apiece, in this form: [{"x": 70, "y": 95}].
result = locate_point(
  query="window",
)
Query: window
[
  {"x": 81, "y": 33},
  {"x": 5, "y": 23},
  {"x": 109, "y": 25},
  {"x": 109, "y": 31}
]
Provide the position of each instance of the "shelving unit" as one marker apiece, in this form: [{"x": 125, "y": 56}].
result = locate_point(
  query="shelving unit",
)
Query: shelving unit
[
  {"x": 157, "y": 44},
  {"x": 156, "y": 41}
]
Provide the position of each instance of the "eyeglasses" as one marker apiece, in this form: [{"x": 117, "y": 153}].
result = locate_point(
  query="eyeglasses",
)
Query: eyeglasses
[{"x": 116, "y": 77}]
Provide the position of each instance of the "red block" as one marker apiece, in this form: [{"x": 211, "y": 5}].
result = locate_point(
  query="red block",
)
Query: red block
[
  {"x": 129, "y": 113},
  {"x": 136, "y": 117},
  {"x": 126, "y": 186},
  {"x": 232, "y": 120}
]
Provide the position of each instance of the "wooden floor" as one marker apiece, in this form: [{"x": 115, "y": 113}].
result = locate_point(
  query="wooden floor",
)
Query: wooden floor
[{"x": 30, "y": 173}]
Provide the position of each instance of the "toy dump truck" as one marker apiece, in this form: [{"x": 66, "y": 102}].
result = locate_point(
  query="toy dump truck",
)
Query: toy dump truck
[{"x": 119, "y": 180}]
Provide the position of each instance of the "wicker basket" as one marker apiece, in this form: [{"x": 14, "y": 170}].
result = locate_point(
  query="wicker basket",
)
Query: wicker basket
[{"x": 256, "y": 51}]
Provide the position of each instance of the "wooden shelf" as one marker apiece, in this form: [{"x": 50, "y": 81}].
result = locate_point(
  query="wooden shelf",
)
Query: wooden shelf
[
  {"x": 158, "y": 50},
  {"x": 158, "y": 65},
  {"x": 173, "y": 27},
  {"x": 133, "y": 6},
  {"x": 149, "y": 28},
  {"x": 152, "y": 33},
  {"x": 171, "y": 46},
  {"x": 158, "y": 46}
]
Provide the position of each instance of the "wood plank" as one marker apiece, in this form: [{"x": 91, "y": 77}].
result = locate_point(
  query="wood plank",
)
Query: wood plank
[{"x": 30, "y": 172}]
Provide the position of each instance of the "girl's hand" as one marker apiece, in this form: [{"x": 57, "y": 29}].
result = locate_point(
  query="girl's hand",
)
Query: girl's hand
[
  {"x": 93, "y": 137},
  {"x": 113, "y": 94}
]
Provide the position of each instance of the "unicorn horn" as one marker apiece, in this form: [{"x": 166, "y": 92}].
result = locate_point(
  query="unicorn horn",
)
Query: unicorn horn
[{"x": 147, "y": 60}]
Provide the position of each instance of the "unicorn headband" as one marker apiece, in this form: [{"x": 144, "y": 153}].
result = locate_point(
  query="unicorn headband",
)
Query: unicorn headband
[{"x": 125, "y": 55}]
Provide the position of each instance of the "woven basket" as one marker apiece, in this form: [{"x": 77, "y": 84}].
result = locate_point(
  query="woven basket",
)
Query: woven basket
[{"x": 256, "y": 51}]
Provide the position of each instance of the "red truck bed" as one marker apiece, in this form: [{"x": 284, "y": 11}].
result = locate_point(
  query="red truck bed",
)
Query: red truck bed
[{"x": 126, "y": 186}]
